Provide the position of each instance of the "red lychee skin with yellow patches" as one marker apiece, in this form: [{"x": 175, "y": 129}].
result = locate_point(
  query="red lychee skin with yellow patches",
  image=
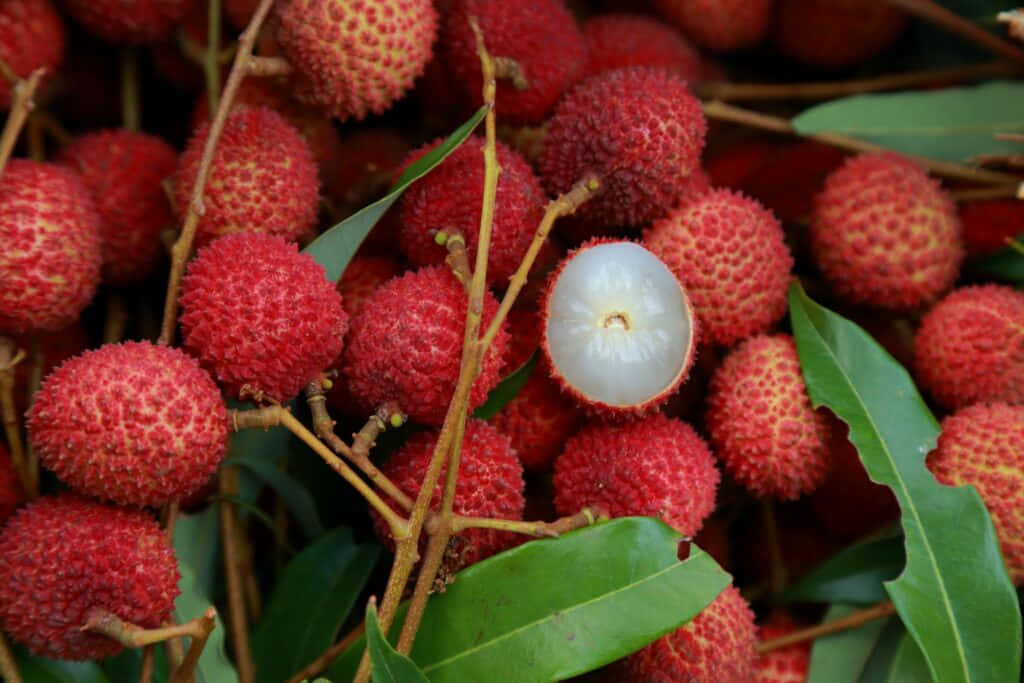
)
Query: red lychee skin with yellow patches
[
  {"x": 655, "y": 466},
  {"x": 11, "y": 493},
  {"x": 761, "y": 421},
  {"x": 448, "y": 199},
  {"x": 263, "y": 178},
  {"x": 884, "y": 234},
  {"x": 786, "y": 664},
  {"x": 983, "y": 445},
  {"x": 639, "y": 130},
  {"x": 261, "y": 316},
  {"x": 31, "y": 36},
  {"x": 405, "y": 345},
  {"x": 50, "y": 261},
  {"x": 720, "y": 25},
  {"x": 970, "y": 347},
  {"x": 729, "y": 252},
  {"x": 718, "y": 645},
  {"x": 362, "y": 276},
  {"x": 353, "y": 59},
  {"x": 135, "y": 22},
  {"x": 61, "y": 557},
  {"x": 539, "y": 420},
  {"x": 133, "y": 423},
  {"x": 619, "y": 40},
  {"x": 124, "y": 171},
  {"x": 987, "y": 224},
  {"x": 833, "y": 34},
  {"x": 490, "y": 485}
]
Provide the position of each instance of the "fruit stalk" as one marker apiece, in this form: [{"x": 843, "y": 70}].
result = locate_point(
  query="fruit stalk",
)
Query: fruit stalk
[
  {"x": 211, "y": 57},
  {"x": 130, "y": 635},
  {"x": 8, "y": 667},
  {"x": 131, "y": 116},
  {"x": 10, "y": 356},
  {"x": 21, "y": 106},
  {"x": 236, "y": 603},
  {"x": 932, "y": 12},
  {"x": 882, "y": 609},
  {"x": 186, "y": 672}
]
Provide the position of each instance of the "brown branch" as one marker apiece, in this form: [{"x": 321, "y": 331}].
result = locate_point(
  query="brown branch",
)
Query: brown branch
[
  {"x": 564, "y": 525},
  {"x": 8, "y": 665},
  {"x": 458, "y": 256},
  {"x": 329, "y": 655},
  {"x": 236, "y": 602},
  {"x": 21, "y": 106},
  {"x": 146, "y": 666},
  {"x": 131, "y": 112},
  {"x": 130, "y": 635},
  {"x": 269, "y": 66},
  {"x": 186, "y": 671},
  {"x": 934, "y": 13},
  {"x": 509, "y": 69},
  {"x": 10, "y": 356},
  {"x": 979, "y": 193},
  {"x": 850, "y": 621}
]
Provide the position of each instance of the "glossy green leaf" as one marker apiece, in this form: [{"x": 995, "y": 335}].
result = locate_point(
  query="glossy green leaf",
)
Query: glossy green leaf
[
  {"x": 39, "y": 670},
  {"x": 299, "y": 501},
  {"x": 1006, "y": 264},
  {"x": 389, "y": 666},
  {"x": 197, "y": 544},
  {"x": 954, "y": 586},
  {"x": 908, "y": 664},
  {"x": 310, "y": 601},
  {"x": 506, "y": 390},
  {"x": 854, "y": 575},
  {"x": 953, "y": 124},
  {"x": 336, "y": 247},
  {"x": 842, "y": 657},
  {"x": 127, "y": 665},
  {"x": 555, "y": 608}
]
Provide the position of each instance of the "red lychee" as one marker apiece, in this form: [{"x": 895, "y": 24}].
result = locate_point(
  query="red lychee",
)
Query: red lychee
[
  {"x": 138, "y": 21},
  {"x": 720, "y": 25},
  {"x": 655, "y": 466},
  {"x": 538, "y": 419},
  {"x": 405, "y": 346},
  {"x": 239, "y": 12},
  {"x": 11, "y": 494},
  {"x": 987, "y": 224},
  {"x": 263, "y": 177},
  {"x": 786, "y": 664},
  {"x": 983, "y": 445},
  {"x": 31, "y": 36},
  {"x": 261, "y": 316},
  {"x": 356, "y": 58},
  {"x": 50, "y": 262},
  {"x": 834, "y": 34},
  {"x": 134, "y": 423},
  {"x": 884, "y": 234},
  {"x": 490, "y": 485},
  {"x": 362, "y": 276},
  {"x": 524, "y": 329},
  {"x": 729, "y": 252},
  {"x": 619, "y": 40}
]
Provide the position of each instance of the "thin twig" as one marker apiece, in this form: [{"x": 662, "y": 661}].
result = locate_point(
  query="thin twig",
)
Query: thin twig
[
  {"x": 186, "y": 672},
  {"x": 8, "y": 666},
  {"x": 114, "y": 324},
  {"x": 854, "y": 620},
  {"x": 131, "y": 112},
  {"x": 10, "y": 356},
  {"x": 236, "y": 602},
  {"x": 979, "y": 193},
  {"x": 458, "y": 256},
  {"x": 564, "y": 525},
  {"x": 21, "y": 106},
  {"x": 211, "y": 56},
  {"x": 269, "y": 66},
  {"x": 934, "y": 13},
  {"x": 130, "y": 635},
  {"x": 329, "y": 655},
  {"x": 146, "y": 666}
]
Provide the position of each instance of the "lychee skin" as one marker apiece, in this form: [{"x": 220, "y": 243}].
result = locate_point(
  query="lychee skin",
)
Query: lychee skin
[
  {"x": 405, "y": 346},
  {"x": 260, "y": 316},
  {"x": 884, "y": 234},
  {"x": 538, "y": 420},
  {"x": 720, "y": 25},
  {"x": 615, "y": 41},
  {"x": 970, "y": 347},
  {"x": 718, "y": 645},
  {"x": 263, "y": 178},
  {"x": 362, "y": 276},
  {"x": 63, "y": 557},
  {"x": 135, "y": 22},
  {"x": 988, "y": 224},
  {"x": 50, "y": 263},
  {"x": 639, "y": 130},
  {"x": 730, "y": 254},
  {"x": 124, "y": 171},
  {"x": 787, "y": 664},
  {"x": 490, "y": 485},
  {"x": 983, "y": 445},
  {"x": 833, "y": 34},
  {"x": 761, "y": 421},
  {"x": 655, "y": 466},
  {"x": 541, "y": 36},
  {"x": 133, "y": 423},
  {"x": 31, "y": 36},
  {"x": 448, "y": 199},
  {"x": 356, "y": 58},
  {"x": 11, "y": 493}
]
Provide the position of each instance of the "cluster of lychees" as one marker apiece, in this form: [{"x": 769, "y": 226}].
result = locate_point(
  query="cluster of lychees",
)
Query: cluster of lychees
[{"x": 655, "y": 310}]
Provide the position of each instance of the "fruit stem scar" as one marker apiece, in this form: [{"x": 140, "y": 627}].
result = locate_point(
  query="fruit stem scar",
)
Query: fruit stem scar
[{"x": 617, "y": 319}]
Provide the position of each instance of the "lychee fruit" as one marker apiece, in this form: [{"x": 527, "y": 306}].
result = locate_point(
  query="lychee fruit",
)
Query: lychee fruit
[
  {"x": 538, "y": 420},
  {"x": 239, "y": 12},
  {"x": 263, "y": 178},
  {"x": 834, "y": 34},
  {"x": 64, "y": 558},
  {"x": 720, "y": 25},
  {"x": 525, "y": 328},
  {"x": 884, "y": 234},
  {"x": 656, "y": 466},
  {"x": 448, "y": 200},
  {"x": 31, "y": 36},
  {"x": 54, "y": 348},
  {"x": 259, "y": 315},
  {"x": 786, "y": 664},
  {"x": 983, "y": 445},
  {"x": 639, "y": 130},
  {"x": 988, "y": 224},
  {"x": 761, "y": 422},
  {"x": 970, "y": 347},
  {"x": 541, "y": 36},
  {"x": 615, "y": 41},
  {"x": 124, "y": 171},
  {"x": 50, "y": 263},
  {"x": 730, "y": 254},
  {"x": 11, "y": 493},
  {"x": 362, "y": 276},
  {"x": 405, "y": 346},
  {"x": 490, "y": 485},
  {"x": 365, "y": 166},
  {"x": 619, "y": 330},
  {"x": 135, "y": 22},
  {"x": 354, "y": 59},
  {"x": 134, "y": 423}
]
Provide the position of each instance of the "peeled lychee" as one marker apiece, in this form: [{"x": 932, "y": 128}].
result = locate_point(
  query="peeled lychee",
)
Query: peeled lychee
[
  {"x": 720, "y": 25},
  {"x": 618, "y": 40},
  {"x": 884, "y": 234},
  {"x": 64, "y": 557},
  {"x": 639, "y": 130},
  {"x": 538, "y": 419},
  {"x": 134, "y": 423},
  {"x": 655, "y": 466},
  {"x": 11, "y": 494},
  {"x": 833, "y": 34},
  {"x": 138, "y": 21},
  {"x": 261, "y": 317},
  {"x": 988, "y": 224},
  {"x": 729, "y": 252},
  {"x": 124, "y": 171},
  {"x": 263, "y": 178},
  {"x": 405, "y": 345},
  {"x": 354, "y": 59},
  {"x": 983, "y": 445},
  {"x": 31, "y": 36},
  {"x": 761, "y": 421},
  {"x": 786, "y": 664},
  {"x": 50, "y": 260}
]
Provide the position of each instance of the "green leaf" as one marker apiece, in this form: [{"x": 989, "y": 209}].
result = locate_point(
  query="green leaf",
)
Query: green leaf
[
  {"x": 197, "y": 544},
  {"x": 1006, "y": 264},
  {"x": 310, "y": 601},
  {"x": 506, "y": 390},
  {"x": 954, "y": 586},
  {"x": 953, "y": 124},
  {"x": 908, "y": 664},
  {"x": 555, "y": 608},
  {"x": 39, "y": 670},
  {"x": 336, "y": 247},
  {"x": 295, "y": 496},
  {"x": 842, "y": 657},
  {"x": 389, "y": 666},
  {"x": 854, "y": 575},
  {"x": 127, "y": 665}
]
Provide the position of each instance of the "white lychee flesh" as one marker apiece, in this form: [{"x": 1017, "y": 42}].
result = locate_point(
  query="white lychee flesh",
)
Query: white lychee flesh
[{"x": 619, "y": 327}]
